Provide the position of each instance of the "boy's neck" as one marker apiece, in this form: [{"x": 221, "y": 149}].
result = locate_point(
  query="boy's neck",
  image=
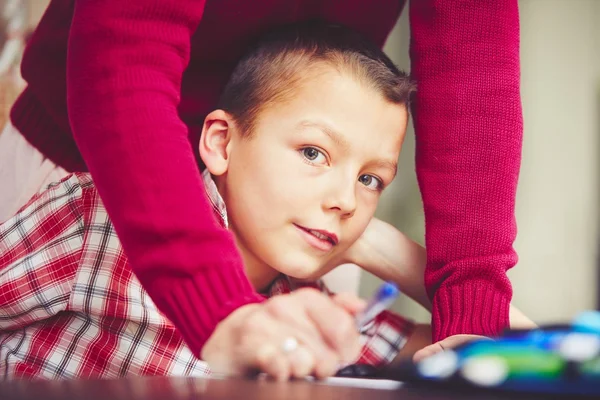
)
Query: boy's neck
[
  {"x": 261, "y": 275},
  {"x": 260, "y": 281}
]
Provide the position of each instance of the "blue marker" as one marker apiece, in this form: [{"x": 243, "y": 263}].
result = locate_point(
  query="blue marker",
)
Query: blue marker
[{"x": 383, "y": 299}]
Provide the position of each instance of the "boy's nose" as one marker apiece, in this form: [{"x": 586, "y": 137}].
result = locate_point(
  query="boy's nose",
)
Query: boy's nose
[{"x": 342, "y": 198}]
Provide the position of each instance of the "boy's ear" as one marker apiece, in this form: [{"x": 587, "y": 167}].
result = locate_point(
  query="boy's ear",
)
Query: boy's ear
[{"x": 216, "y": 141}]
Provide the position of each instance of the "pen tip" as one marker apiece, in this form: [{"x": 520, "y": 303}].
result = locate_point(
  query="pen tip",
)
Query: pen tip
[{"x": 389, "y": 289}]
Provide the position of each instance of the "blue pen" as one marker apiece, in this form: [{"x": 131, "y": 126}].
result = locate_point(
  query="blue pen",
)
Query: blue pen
[{"x": 381, "y": 300}]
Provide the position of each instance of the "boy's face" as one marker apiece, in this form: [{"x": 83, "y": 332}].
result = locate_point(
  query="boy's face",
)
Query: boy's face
[{"x": 304, "y": 187}]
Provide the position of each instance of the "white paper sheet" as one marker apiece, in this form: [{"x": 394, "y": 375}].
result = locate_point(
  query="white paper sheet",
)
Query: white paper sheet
[{"x": 382, "y": 384}]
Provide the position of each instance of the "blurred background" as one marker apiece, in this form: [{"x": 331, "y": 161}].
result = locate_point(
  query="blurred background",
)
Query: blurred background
[{"x": 559, "y": 190}]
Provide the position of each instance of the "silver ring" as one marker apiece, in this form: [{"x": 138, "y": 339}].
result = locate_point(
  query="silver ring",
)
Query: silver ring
[{"x": 289, "y": 345}]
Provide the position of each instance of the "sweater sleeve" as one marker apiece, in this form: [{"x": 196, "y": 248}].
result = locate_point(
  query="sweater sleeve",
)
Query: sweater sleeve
[
  {"x": 124, "y": 70},
  {"x": 468, "y": 125}
]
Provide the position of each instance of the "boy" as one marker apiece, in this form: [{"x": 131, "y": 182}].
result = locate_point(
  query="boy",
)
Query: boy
[{"x": 304, "y": 140}]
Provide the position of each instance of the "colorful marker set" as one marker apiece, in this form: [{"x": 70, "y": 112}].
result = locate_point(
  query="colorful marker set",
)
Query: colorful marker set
[{"x": 553, "y": 359}]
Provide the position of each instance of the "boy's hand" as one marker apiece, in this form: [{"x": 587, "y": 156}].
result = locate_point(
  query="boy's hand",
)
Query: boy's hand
[{"x": 293, "y": 335}]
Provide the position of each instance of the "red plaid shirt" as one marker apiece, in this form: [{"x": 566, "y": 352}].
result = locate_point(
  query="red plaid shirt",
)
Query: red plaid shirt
[{"x": 70, "y": 306}]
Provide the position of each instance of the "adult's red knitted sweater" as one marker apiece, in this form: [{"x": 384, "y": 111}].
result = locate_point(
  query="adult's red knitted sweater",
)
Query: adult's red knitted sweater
[{"x": 120, "y": 88}]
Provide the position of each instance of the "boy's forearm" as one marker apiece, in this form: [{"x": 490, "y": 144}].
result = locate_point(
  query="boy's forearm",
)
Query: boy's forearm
[{"x": 390, "y": 255}]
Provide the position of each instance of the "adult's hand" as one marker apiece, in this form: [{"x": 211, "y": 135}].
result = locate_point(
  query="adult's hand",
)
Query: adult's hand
[
  {"x": 288, "y": 336},
  {"x": 518, "y": 320},
  {"x": 449, "y": 343}
]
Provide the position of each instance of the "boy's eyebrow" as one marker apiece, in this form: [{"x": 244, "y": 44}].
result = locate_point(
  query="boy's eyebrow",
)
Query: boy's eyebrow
[
  {"x": 326, "y": 129},
  {"x": 340, "y": 141},
  {"x": 393, "y": 166}
]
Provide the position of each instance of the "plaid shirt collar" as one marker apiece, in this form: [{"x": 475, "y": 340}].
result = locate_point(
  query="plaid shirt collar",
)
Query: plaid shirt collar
[{"x": 215, "y": 197}]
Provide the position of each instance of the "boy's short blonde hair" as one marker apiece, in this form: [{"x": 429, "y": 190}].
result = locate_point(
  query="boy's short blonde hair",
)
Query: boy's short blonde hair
[{"x": 271, "y": 71}]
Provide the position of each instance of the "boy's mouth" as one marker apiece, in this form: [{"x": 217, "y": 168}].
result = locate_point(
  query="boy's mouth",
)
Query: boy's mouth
[{"x": 321, "y": 234}]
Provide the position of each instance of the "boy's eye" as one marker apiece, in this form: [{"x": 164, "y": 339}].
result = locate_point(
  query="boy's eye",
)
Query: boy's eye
[
  {"x": 370, "y": 182},
  {"x": 313, "y": 155}
]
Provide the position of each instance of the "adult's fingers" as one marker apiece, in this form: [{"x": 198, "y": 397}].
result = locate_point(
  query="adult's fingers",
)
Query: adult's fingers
[
  {"x": 446, "y": 344},
  {"x": 302, "y": 362},
  {"x": 269, "y": 359},
  {"x": 291, "y": 311},
  {"x": 278, "y": 349},
  {"x": 350, "y": 302},
  {"x": 335, "y": 324}
]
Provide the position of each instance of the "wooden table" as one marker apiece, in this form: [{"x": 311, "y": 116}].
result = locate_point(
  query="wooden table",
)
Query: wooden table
[{"x": 221, "y": 389}]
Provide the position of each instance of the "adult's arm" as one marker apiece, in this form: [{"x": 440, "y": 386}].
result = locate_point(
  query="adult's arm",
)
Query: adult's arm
[
  {"x": 124, "y": 70},
  {"x": 468, "y": 124}
]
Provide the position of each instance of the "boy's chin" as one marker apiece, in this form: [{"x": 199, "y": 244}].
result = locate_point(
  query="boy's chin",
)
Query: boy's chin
[
  {"x": 301, "y": 265},
  {"x": 303, "y": 272}
]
